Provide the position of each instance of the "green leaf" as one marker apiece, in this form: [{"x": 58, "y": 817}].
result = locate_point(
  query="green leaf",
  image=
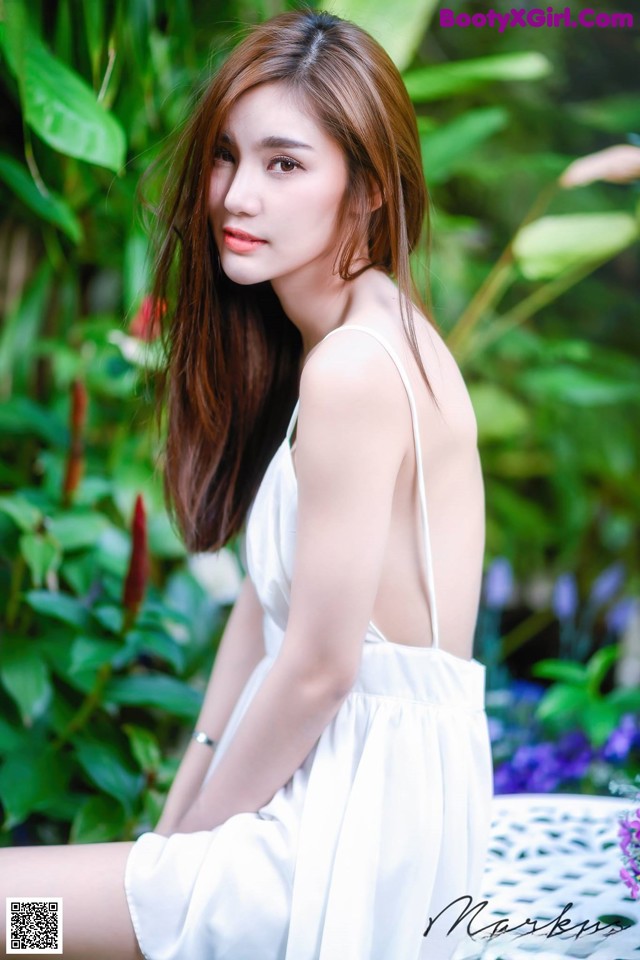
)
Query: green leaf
[
  {"x": 552, "y": 245},
  {"x": 498, "y": 414},
  {"x": 144, "y": 747},
  {"x": 600, "y": 720},
  {"x": 109, "y": 616},
  {"x": 18, "y": 335},
  {"x": 517, "y": 511},
  {"x": 135, "y": 270},
  {"x": 625, "y": 700},
  {"x": 23, "y": 513},
  {"x": 164, "y": 542},
  {"x": 50, "y": 206},
  {"x": 104, "y": 766},
  {"x": 30, "y": 782},
  {"x": 562, "y": 701},
  {"x": 77, "y": 529},
  {"x": 94, "y": 23},
  {"x": 42, "y": 555},
  {"x": 62, "y": 807},
  {"x": 619, "y": 113},
  {"x": 57, "y": 103},
  {"x": 97, "y": 820},
  {"x": 167, "y": 771},
  {"x": 91, "y": 653},
  {"x": 446, "y": 149},
  {"x": 10, "y": 737},
  {"x": 20, "y": 416},
  {"x": 154, "y": 802},
  {"x": 572, "y": 673},
  {"x": 398, "y": 28},
  {"x": 25, "y": 677},
  {"x": 600, "y": 664},
  {"x": 564, "y": 384},
  {"x": 157, "y": 644},
  {"x": 92, "y": 489},
  {"x": 166, "y": 693},
  {"x": 59, "y": 606},
  {"x": 447, "y": 79}
]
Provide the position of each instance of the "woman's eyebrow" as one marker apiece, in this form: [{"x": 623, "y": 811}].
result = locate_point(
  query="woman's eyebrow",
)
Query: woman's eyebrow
[
  {"x": 272, "y": 143},
  {"x": 284, "y": 143}
]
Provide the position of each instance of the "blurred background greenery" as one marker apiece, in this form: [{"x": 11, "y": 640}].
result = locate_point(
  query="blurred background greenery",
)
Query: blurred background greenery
[{"x": 107, "y": 628}]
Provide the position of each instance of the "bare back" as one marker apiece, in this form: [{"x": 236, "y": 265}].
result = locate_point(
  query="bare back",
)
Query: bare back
[{"x": 454, "y": 493}]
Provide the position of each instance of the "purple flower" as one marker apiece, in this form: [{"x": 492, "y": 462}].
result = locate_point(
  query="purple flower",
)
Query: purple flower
[
  {"x": 574, "y": 754},
  {"x": 629, "y": 837},
  {"x": 543, "y": 767},
  {"x": 496, "y": 729},
  {"x": 525, "y": 691},
  {"x": 498, "y": 583},
  {"x": 565, "y": 597},
  {"x": 618, "y": 617},
  {"x": 607, "y": 584},
  {"x": 623, "y": 739},
  {"x": 532, "y": 769},
  {"x": 631, "y": 883}
]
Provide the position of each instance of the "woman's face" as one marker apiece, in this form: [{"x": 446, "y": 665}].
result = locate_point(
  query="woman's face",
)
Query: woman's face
[{"x": 277, "y": 182}]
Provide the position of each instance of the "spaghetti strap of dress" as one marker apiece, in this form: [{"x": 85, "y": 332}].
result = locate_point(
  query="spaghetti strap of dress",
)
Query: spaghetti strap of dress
[{"x": 421, "y": 490}]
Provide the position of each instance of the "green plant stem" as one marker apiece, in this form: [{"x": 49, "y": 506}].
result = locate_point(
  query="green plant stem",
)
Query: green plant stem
[
  {"x": 538, "y": 299},
  {"x": 31, "y": 161},
  {"x": 497, "y": 280},
  {"x": 493, "y": 286},
  {"x": 525, "y": 631},
  {"x": 111, "y": 59},
  {"x": 54, "y": 249},
  {"x": 13, "y": 604},
  {"x": 90, "y": 703}
]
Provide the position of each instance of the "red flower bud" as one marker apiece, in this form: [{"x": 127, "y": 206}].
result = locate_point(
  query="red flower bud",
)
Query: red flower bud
[
  {"x": 74, "y": 471},
  {"x": 146, "y": 323},
  {"x": 75, "y": 460},
  {"x": 138, "y": 572},
  {"x": 78, "y": 407}
]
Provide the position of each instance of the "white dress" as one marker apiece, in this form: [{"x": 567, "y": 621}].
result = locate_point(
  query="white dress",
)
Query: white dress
[{"x": 384, "y": 824}]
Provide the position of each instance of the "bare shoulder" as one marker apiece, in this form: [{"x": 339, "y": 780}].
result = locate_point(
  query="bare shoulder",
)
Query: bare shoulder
[
  {"x": 352, "y": 411},
  {"x": 351, "y": 376}
]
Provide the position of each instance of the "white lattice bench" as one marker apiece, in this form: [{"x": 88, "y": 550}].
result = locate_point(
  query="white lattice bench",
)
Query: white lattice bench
[{"x": 547, "y": 851}]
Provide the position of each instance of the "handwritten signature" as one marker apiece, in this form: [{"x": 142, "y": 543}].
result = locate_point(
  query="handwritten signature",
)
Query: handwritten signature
[{"x": 559, "y": 925}]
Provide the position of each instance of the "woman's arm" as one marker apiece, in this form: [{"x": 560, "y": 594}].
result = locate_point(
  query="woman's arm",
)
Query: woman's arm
[
  {"x": 348, "y": 454},
  {"x": 240, "y": 649}
]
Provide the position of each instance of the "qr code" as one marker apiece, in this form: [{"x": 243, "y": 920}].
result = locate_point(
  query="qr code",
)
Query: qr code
[{"x": 34, "y": 925}]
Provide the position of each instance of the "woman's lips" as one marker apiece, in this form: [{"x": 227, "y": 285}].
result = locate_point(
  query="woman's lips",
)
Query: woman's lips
[{"x": 240, "y": 242}]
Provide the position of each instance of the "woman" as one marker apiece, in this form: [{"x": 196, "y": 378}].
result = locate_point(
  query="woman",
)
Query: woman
[{"x": 346, "y": 800}]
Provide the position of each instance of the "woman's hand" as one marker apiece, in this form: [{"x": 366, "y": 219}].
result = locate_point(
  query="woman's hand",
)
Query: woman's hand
[{"x": 278, "y": 730}]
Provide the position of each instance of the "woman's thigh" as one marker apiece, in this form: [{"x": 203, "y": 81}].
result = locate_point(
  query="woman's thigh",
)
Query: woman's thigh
[{"x": 89, "y": 878}]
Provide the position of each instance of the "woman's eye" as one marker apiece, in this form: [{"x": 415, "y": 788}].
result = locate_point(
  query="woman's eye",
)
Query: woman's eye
[
  {"x": 221, "y": 153},
  {"x": 286, "y": 164}
]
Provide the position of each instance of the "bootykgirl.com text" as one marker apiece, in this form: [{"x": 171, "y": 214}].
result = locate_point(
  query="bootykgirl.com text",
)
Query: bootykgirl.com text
[{"x": 585, "y": 18}]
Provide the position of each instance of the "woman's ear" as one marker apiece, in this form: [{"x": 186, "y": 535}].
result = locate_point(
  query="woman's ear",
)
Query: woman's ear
[{"x": 375, "y": 195}]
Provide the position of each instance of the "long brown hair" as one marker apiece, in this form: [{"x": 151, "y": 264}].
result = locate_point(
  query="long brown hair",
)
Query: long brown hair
[{"x": 233, "y": 357}]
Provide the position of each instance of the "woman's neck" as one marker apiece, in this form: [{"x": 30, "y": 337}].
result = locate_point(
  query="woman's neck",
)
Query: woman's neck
[{"x": 317, "y": 308}]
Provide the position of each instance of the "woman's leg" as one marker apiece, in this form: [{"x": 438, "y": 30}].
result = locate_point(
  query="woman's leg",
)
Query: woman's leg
[{"x": 89, "y": 878}]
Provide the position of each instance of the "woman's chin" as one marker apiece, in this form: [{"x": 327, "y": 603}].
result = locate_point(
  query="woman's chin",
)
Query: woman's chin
[{"x": 244, "y": 278}]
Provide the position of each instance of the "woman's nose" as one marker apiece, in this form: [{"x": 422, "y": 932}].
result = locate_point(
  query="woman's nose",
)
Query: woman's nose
[{"x": 242, "y": 194}]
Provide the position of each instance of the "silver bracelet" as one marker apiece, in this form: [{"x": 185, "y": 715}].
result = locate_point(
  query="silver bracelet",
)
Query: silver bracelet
[{"x": 201, "y": 737}]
